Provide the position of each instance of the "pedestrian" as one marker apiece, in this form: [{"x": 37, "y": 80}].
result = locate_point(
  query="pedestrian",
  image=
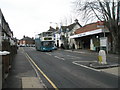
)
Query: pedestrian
[
  {"x": 62, "y": 45},
  {"x": 73, "y": 47}
]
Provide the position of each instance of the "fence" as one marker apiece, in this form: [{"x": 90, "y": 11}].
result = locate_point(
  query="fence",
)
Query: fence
[{"x": 7, "y": 58}]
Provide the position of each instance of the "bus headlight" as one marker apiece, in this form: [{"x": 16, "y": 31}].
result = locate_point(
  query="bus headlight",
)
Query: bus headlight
[{"x": 43, "y": 48}]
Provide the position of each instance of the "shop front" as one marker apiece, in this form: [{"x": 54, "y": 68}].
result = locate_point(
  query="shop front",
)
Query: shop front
[{"x": 92, "y": 40}]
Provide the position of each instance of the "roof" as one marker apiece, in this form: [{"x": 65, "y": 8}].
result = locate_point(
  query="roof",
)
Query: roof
[
  {"x": 64, "y": 28},
  {"x": 89, "y": 27},
  {"x": 7, "y": 29},
  {"x": 52, "y": 29},
  {"x": 27, "y": 39},
  {"x": 71, "y": 26}
]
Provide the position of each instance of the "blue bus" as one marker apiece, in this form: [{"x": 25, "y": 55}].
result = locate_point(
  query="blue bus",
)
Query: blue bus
[{"x": 44, "y": 41}]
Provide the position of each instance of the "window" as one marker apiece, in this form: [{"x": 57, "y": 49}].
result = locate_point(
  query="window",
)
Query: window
[
  {"x": 47, "y": 38},
  {"x": 0, "y": 21}
]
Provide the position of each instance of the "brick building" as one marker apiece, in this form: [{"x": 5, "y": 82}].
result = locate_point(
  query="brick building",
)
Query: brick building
[{"x": 26, "y": 41}]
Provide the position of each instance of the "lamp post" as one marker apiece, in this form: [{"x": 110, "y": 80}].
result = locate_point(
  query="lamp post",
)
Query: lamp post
[
  {"x": 67, "y": 30},
  {"x": 55, "y": 34}
]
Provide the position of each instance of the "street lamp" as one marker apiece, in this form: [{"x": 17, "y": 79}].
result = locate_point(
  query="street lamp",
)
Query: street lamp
[{"x": 67, "y": 30}]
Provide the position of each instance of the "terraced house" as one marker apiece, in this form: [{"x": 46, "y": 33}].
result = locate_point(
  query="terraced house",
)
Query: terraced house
[{"x": 8, "y": 47}]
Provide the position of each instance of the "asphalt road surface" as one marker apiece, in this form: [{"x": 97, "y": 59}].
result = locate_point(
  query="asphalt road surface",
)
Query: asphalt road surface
[{"x": 59, "y": 69}]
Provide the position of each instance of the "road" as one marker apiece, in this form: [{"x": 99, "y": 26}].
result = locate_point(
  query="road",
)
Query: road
[{"x": 60, "y": 69}]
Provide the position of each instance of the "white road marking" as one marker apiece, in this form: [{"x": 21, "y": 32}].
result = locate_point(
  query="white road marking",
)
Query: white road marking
[
  {"x": 74, "y": 51},
  {"x": 86, "y": 61},
  {"x": 74, "y": 57},
  {"x": 79, "y": 52},
  {"x": 75, "y": 62},
  {"x": 68, "y": 50},
  {"x": 59, "y": 57},
  {"x": 48, "y": 54}
]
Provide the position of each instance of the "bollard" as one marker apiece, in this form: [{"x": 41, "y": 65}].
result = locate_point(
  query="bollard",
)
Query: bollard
[{"x": 102, "y": 57}]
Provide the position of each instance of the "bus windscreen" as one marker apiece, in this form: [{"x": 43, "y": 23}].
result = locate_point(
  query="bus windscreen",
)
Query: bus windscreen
[{"x": 48, "y": 43}]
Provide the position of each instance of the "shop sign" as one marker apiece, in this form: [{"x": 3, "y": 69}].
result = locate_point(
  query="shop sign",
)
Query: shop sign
[
  {"x": 82, "y": 34},
  {"x": 103, "y": 41},
  {"x": 87, "y": 33}
]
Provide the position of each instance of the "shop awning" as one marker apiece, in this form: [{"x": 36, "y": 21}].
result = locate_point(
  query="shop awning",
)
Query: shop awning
[{"x": 87, "y": 33}]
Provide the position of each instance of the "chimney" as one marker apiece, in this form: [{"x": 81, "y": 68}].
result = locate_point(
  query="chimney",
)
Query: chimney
[
  {"x": 76, "y": 20},
  {"x": 57, "y": 28},
  {"x": 24, "y": 36}
]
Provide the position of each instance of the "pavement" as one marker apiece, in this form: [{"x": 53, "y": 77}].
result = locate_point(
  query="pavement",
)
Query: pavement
[
  {"x": 112, "y": 66},
  {"x": 22, "y": 72},
  {"x": 0, "y": 73}
]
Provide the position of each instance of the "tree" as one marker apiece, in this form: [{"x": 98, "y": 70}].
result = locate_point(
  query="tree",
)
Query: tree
[{"x": 102, "y": 10}]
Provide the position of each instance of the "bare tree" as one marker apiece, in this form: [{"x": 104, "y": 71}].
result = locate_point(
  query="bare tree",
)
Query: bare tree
[{"x": 102, "y": 10}]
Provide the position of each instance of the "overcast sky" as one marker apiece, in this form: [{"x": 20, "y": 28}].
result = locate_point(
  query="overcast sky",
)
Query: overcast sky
[{"x": 28, "y": 17}]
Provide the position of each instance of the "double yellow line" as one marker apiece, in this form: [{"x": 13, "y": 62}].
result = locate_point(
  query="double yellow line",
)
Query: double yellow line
[{"x": 29, "y": 58}]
